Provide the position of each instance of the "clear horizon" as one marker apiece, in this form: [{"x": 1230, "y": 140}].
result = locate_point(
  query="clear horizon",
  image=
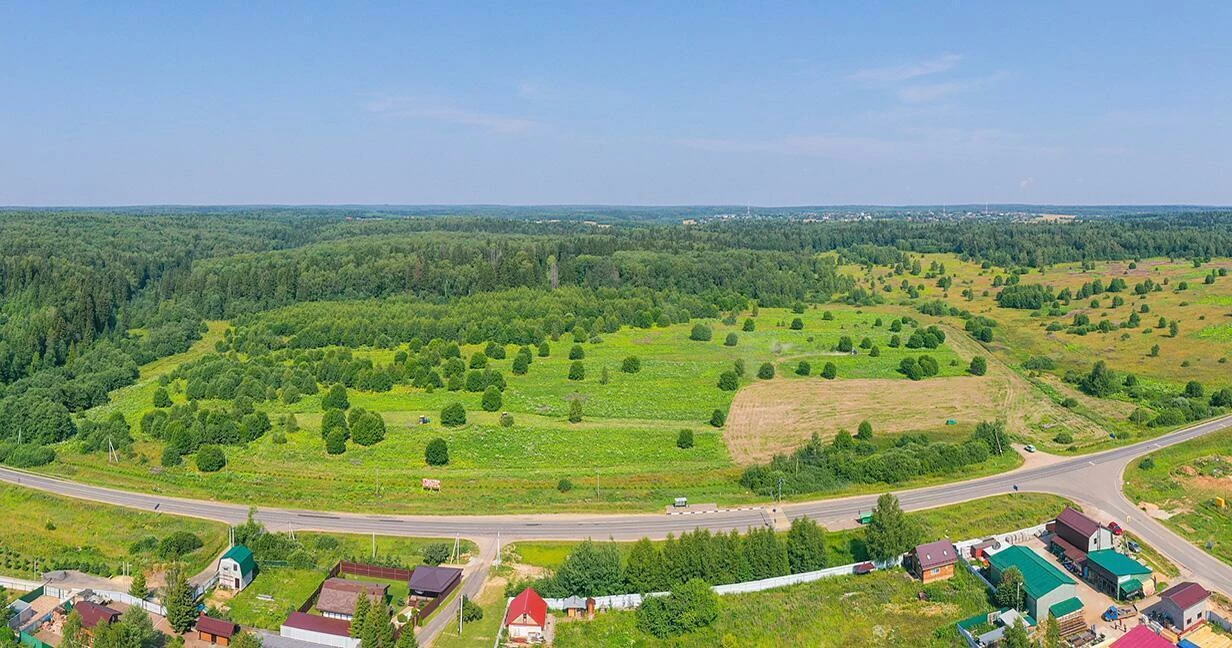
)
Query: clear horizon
[{"x": 638, "y": 104}]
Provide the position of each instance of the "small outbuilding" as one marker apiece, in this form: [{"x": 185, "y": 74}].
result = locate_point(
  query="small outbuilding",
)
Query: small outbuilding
[
  {"x": 933, "y": 561},
  {"x": 1184, "y": 605},
  {"x": 236, "y": 568},
  {"x": 431, "y": 582},
  {"x": 94, "y": 615},
  {"x": 527, "y": 617},
  {"x": 216, "y": 631},
  {"x": 1079, "y": 535}
]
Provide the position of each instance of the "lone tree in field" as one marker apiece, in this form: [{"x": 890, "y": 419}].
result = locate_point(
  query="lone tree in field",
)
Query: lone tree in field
[
  {"x": 749, "y": 325},
  {"x": 979, "y": 366},
  {"x": 491, "y": 399},
  {"x": 803, "y": 368},
  {"x": 731, "y": 340},
  {"x": 631, "y": 365},
  {"x": 437, "y": 452},
  {"x": 453, "y": 415},
  {"x": 718, "y": 418},
  {"x": 210, "y": 458},
  {"x": 797, "y": 324},
  {"x": 700, "y": 333},
  {"x": 829, "y": 372},
  {"x": 335, "y": 398},
  {"x": 576, "y": 352},
  {"x": 728, "y": 381},
  {"x": 577, "y": 370},
  {"x": 766, "y": 371},
  {"x": 890, "y": 533},
  {"x": 865, "y": 431},
  {"x": 545, "y": 350},
  {"x": 684, "y": 440},
  {"x": 575, "y": 410}
]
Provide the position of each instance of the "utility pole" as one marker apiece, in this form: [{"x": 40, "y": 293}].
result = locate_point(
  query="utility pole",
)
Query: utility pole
[
  {"x": 374, "y": 545},
  {"x": 596, "y": 483},
  {"x": 497, "y": 562}
]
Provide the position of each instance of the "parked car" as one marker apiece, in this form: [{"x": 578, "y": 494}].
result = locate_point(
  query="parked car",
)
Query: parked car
[
  {"x": 1133, "y": 546},
  {"x": 1115, "y": 528},
  {"x": 1029, "y": 448}
]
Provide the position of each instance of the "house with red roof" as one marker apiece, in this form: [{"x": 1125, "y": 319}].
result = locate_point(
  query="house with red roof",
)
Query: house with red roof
[
  {"x": 1142, "y": 637},
  {"x": 527, "y": 617},
  {"x": 216, "y": 631},
  {"x": 1075, "y": 535},
  {"x": 94, "y": 615},
  {"x": 933, "y": 561},
  {"x": 1184, "y": 605}
]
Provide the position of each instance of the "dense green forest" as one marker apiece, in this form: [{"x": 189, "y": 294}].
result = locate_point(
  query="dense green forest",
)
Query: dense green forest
[{"x": 87, "y": 296}]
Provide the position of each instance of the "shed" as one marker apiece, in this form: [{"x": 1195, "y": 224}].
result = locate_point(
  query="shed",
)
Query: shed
[
  {"x": 1116, "y": 574},
  {"x": 1184, "y": 605},
  {"x": 236, "y": 568},
  {"x": 216, "y": 631},
  {"x": 433, "y": 581},
  {"x": 318, "y": 630},
  {"x": 339, "y": 596},
  {"x": 933, "y": 561},
  {"x": 527, "y": 617},
  {"x": 1081, "y": 531},
  {"x": 1045, "y": 585}
]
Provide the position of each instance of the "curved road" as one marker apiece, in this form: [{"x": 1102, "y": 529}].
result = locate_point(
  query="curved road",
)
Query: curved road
[{"x": 1095, "y": 480}]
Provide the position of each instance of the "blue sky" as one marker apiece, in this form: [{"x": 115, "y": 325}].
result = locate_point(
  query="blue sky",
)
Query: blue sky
[{"x": 618, "y": 103}]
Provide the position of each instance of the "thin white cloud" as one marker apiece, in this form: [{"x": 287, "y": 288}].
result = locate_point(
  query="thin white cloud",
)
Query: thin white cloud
[
  {"x": 431, "y": 110},
  {"x": 929, "y": 92},
  {"x": 900, "y": 73}
]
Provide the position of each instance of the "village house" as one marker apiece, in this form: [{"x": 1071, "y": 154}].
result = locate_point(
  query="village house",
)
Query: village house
[
  {"x": 1075, "y": 535},
  {"x": 1116, "y": 574},
  {"x": 431, "y": 582},
  {"x": 1184, "y": 605},
  {"x": 527, "y": 617},
  {"x": 216, "y": 631},
  {"x": 338, "y": 597},
  {"x": 1047, "y": 589},
  {"x": 1142, "y": 637},
  {"x": 933, "y": 561},
  {"x": 94, "y": 615},
  {"x": 318, "y": 630},
  {"x": 236, "y": 568}
]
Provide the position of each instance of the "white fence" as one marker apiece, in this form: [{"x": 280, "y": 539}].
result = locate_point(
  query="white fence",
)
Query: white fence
[
  {"x": 129, "y": 599},
  {"x": 19, "y": 584},
  {"x": 630, "y": 601},
  {"x": 1218, "y": 620}
]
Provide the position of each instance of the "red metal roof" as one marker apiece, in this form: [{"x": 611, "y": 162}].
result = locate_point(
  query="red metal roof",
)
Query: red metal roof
[
  {"x": 936, "y": 554},
  {"x": 1142, "y": 637},
  {"x": 216, "y": 627},
  {"x": 313, "y": 623},
  {"x": 1185, "y": 595},
  {"x": 93, "y": 614},
  {"x": 1075, "y": 520},
  {"x": 528, "y": 603}
]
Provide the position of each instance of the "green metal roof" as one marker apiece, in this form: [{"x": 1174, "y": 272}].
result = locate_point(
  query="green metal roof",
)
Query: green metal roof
[
  {"x": 1132, "y": 585},
  {"x": 243, "y": 557},
  {"x": 1068, "y": 606},
  {"x": 1117, "y": 563},
  {"x": 1038, "y": 575}
]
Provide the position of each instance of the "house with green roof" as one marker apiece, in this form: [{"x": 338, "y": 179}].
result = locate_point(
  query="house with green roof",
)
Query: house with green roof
[
  {"x": 1116, "y": 574},
  {"x": 236, "y": 568},
  {"x": 1047, "y": 590}
]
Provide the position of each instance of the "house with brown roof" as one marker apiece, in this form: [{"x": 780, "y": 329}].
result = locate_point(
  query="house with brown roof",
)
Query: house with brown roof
[
  {"x": 1075, "y": 535},
  {"x": 94, "y": 615},
  {"x": 216, "y": 631},
  {"x": 933, "y": 561},
  {"x": 338, "y": 597},
  {"x": 431, "y": 582},
  {"x": 1184, "y": 605},
  {"x": 318, "y": 630}
]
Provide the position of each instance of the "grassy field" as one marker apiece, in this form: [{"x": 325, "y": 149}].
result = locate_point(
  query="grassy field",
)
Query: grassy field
[
  {"x": 627, "y": 438},
  {"x": 45, "y": 530},
  {"x": 880, "y": 609},
  {"x": 1183, "y": 484}
]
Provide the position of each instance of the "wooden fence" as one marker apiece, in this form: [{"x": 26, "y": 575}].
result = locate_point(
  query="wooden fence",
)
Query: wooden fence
[
  {"x": 425, "y": 611},
  {"x": 374, "y": 571}
]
